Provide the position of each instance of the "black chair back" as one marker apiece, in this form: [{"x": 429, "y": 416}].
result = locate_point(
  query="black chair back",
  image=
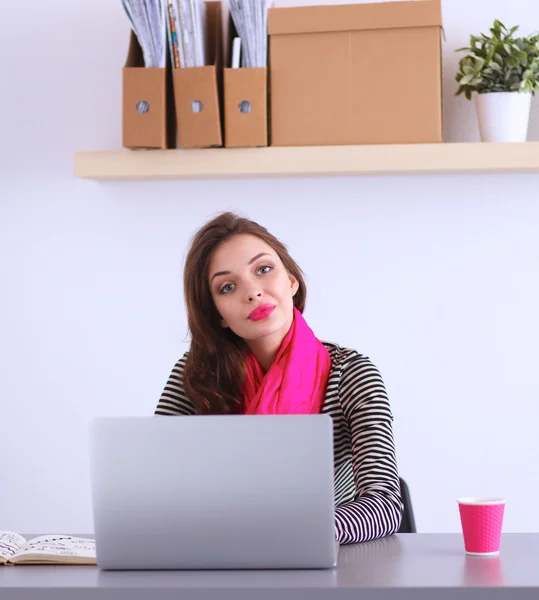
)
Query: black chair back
[{"x": 408, "y": 521}]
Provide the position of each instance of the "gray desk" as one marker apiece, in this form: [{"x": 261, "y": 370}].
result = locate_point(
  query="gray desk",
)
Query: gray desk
[{"x": 406, "y": 566}]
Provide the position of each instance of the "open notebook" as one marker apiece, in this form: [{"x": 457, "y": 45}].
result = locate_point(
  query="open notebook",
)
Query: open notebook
[{"x": 46, "y": 550}]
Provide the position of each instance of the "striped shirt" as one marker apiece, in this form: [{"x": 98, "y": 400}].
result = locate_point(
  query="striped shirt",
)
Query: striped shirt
[{"x": 366, "y": 481}]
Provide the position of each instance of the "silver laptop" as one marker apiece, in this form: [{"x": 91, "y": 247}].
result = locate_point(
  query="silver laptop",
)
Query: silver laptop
[{"x": 213, "y": 492}]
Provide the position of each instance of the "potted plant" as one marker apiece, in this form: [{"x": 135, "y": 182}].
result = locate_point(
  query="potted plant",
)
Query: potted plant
[{"x": 503, "y": 71}]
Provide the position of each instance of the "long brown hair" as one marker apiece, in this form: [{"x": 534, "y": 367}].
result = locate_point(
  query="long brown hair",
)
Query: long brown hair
[{"x": 215, "y": 367}]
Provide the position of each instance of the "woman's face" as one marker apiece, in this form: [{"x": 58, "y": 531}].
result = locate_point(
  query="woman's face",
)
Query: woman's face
[{"x": 245, "y": 273}]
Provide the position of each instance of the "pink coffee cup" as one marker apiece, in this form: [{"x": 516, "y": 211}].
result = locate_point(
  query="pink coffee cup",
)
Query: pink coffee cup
[{"x": 481, "y": 520}]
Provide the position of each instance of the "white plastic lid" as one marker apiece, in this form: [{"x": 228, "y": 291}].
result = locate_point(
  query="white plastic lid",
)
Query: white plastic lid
[{"x": 476, "y": 501}]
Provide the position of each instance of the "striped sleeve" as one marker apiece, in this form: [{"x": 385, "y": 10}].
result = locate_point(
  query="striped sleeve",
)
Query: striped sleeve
[
  {"x": 173, "y": 400},
  {"x": 376, "y": 510}
]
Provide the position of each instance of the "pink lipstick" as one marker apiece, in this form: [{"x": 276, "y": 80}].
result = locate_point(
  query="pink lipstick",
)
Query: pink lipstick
[{"x": 261, "y": 312}]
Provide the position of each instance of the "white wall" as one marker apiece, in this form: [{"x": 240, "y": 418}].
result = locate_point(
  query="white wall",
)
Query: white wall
[{"x": 435, "y": 278}]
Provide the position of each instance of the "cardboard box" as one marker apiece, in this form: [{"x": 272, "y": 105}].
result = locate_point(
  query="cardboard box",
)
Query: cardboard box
[
  {"x": 198, "y": 91},
  {"x": 147, "y": 103},
  {"x": 356, "y": 74},
  {"x": 246, "y": 103}
]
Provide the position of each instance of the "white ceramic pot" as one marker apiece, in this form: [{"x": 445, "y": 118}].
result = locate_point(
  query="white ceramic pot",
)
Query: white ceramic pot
[{"x": 503, "y": 116}]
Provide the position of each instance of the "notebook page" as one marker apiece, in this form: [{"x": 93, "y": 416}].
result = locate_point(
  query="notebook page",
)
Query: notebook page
[
  {"x": 60, "y": 545},
  {"x": 10, "y": 543}
]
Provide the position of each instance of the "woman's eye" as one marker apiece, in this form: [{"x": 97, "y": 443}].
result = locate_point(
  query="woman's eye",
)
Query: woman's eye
[{"x": 225, "y": 290}]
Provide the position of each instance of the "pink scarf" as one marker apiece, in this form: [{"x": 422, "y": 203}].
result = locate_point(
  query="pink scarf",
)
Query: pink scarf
[{"x": 296, "y": 381}]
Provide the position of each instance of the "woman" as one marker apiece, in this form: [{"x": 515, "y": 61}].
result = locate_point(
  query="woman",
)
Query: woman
[{"x": 252, "y": 352}]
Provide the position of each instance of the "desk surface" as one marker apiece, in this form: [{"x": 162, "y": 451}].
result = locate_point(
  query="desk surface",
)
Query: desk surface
[{"x": 407, "y": 566}]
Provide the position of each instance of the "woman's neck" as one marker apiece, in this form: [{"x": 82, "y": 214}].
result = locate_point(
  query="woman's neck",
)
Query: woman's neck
[{"x": 265, "y": 351}]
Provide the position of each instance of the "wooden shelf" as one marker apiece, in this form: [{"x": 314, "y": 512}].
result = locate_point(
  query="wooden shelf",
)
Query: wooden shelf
[{"x": 309, "y": 161}]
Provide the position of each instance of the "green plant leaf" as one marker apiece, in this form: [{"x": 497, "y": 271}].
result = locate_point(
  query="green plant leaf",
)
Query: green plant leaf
[
  {"x": 466, "y": 79},
  {"x": 479, "y": 64}
]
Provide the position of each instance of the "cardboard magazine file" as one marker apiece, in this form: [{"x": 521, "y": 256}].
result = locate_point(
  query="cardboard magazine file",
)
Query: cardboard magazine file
[
  {"x": 147, "y": 103},
  {"x": 198, "y": 91},
  {"x": 246, "y": 103},
  {"x": 356, "y": 73},
  {"x": 246, "y": 112}
]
